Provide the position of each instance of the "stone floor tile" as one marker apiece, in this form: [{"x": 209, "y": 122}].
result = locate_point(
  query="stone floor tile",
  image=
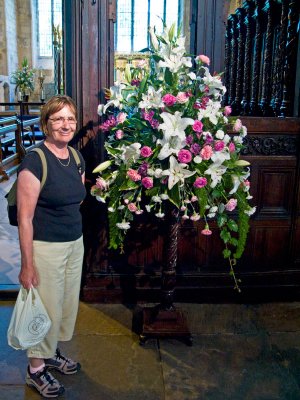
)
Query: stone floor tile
[
  {"x": 278, "y": 317},
  {"x": 219, "y": 318},
  {"x": 286, "y": 349},
  {"x": 18, "y": 392},
  {"x": 104, "y": 319},
  {"x": 225, "y": 367},
  {"x": 113, "y": 367}
]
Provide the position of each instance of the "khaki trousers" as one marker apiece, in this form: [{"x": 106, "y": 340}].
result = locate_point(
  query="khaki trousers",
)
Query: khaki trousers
[{"x": 59, "y": 267}]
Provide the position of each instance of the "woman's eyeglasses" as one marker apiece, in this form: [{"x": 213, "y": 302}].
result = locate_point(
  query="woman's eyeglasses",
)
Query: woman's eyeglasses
[{"x": 61, "y": 120}]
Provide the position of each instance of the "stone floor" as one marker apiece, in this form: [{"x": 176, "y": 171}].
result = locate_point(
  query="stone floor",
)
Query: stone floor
[{"x": 240, "y": 352}]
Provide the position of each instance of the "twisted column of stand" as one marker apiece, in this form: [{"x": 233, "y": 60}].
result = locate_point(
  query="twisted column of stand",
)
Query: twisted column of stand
[{"x": 170, "y": 258}]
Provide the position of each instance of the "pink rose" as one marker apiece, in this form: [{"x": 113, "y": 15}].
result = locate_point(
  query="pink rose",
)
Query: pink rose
[
  {"x": 231, "y": 204},
  {"x": 238, "y": 125},
  {"x": 133, "y": 175},
  {"x": 147, "y": 182},
  {"x": 231, "y": 147},
  {"x": 121, "y": 117},
  {"x": 197, "y": 126},
  {"x": 182, "y": 97},
  {"x": 184, "y": 156},
  {"x": 206, "y": 152},
  {"x": 132, "y": 207},
  {"x": 146, "y": 151},
  {"x": 227, "y": 111},
  {"x": 219, "y": 145},
  {"x": 169, "y": 99},
  {"x": 101, "y": 184},
  {"x": 119, "y": 134},
  {"x": 200, "y": 182},
  {"x": 203, "y": 59}
]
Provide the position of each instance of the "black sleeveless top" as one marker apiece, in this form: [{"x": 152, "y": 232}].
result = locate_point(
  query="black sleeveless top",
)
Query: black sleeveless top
[{"x": 57, "y": 216}]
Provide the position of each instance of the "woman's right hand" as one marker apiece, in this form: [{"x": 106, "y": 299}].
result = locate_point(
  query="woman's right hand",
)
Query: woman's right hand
[{"x": 28, "y": 277}]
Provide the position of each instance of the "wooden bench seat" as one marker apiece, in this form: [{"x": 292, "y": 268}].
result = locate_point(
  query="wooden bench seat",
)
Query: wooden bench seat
[{"x": 9, "y": 134}]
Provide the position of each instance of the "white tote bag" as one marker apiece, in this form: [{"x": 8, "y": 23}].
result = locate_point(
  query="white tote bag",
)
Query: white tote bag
[{"x": 29, "y": 322}]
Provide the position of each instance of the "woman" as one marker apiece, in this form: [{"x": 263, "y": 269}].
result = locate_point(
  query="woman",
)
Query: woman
[{"x": 50, "y": 233}]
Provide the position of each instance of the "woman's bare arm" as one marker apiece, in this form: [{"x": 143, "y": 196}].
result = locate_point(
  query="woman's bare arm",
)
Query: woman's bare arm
[{"x": 28, "y": 190}]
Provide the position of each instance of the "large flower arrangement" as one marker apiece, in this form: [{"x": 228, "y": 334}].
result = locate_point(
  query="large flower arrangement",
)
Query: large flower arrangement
[
  {"x": 168, "y": 141},
  {"x": 23, "y": 78}
]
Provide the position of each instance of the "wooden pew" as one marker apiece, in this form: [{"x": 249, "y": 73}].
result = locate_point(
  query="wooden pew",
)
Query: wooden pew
[{"x": 10, "y": 132}]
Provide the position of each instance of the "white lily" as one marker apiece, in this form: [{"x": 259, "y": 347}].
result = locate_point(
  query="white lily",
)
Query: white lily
[
  {"x": 152, "y": 99},
  {"x": 216, "y": 172},
  {"x": 115, "y": 96},
  {"x": 177, "y": 173},
  {"x": 174, "y": 62},
  {"x": 174, "y": 136},
  {"x": 219, "y": 157},
  {"x": 214, "y": 83},
  {"x": 130, "y": 153},
  {"x": 211, "y": 112}
]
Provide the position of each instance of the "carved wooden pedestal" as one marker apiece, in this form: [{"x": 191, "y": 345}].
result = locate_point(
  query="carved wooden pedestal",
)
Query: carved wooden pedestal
[
  {"x": 159, "y": 323},
  {"x": 164, "y": 320}
]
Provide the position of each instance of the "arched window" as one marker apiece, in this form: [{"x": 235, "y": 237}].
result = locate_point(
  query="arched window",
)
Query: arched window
[
  {"x": 49, "y": 15},
  {"x": 135, "y": 16}
]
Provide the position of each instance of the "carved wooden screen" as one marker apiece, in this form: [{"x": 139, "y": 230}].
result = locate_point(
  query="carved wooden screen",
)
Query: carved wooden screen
[{"x": 261, "y": 58}]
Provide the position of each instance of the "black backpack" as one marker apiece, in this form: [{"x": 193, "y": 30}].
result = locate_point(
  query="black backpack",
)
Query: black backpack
[{"x": 11, "y": 196}]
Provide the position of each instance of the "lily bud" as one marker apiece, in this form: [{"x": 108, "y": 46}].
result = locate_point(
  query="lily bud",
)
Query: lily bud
[
  {"x": 242, "y": 163},
  {"x": 101, "y": 167},
  {"x": 128, "y": 73},
  {"x": 153, "y": 39}
]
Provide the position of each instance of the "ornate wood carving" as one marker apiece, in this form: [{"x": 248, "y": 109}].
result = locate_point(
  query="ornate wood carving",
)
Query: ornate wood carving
[
  {"x": 248, "y": 22},
  {"x": 279, "y": 59},
  {"x": 227, "y": 60},
  {"x": 266, "y": 58},
  {"x": 233, "y": 61},
  {"x": 290, "y": 60},
  {"x": 270, "y": 146},
  {"x": 236, "y": 105},
  {"x": 257, "y": 58},
  {"x": 267, "y": 64}
]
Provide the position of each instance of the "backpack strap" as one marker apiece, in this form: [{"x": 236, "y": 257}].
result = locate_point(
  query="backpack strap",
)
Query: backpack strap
[
  {"x": 76, "y": 157},
  {"x": 44, "y": 165}
]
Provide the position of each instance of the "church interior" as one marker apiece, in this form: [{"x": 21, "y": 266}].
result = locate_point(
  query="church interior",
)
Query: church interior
[{"x": 222, "y": 343}]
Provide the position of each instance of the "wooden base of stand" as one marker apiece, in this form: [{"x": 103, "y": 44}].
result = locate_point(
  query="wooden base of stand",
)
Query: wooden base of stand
[{"x": 159, "y": 323}]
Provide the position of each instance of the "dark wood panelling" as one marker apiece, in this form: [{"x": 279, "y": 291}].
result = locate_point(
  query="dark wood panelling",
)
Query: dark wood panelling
[
  {"x": 270, "y": 266},
  {"x": 208, "y": 30}
]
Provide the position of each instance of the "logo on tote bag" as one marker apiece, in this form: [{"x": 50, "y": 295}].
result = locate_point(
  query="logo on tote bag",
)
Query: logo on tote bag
[{"x": 38, "y": 325}]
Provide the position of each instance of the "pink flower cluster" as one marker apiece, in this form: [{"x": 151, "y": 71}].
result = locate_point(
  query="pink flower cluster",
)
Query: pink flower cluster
[
  {"x": 169, "y": 100},
  {"x": 231, "y": 204},
  {"x": 200, "y": 182},
  {"x": 108, "y": 124},
  {"x": 148, "y": 116},
  {"x": 203, "y": 59},
  {"x": 206, "y": 152},
  {"x": 184, "y": 156},
  {"x": 133, "y": 175},
  {"x": 146, "y": 151},
  {"x": 147, "y": 182}
]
